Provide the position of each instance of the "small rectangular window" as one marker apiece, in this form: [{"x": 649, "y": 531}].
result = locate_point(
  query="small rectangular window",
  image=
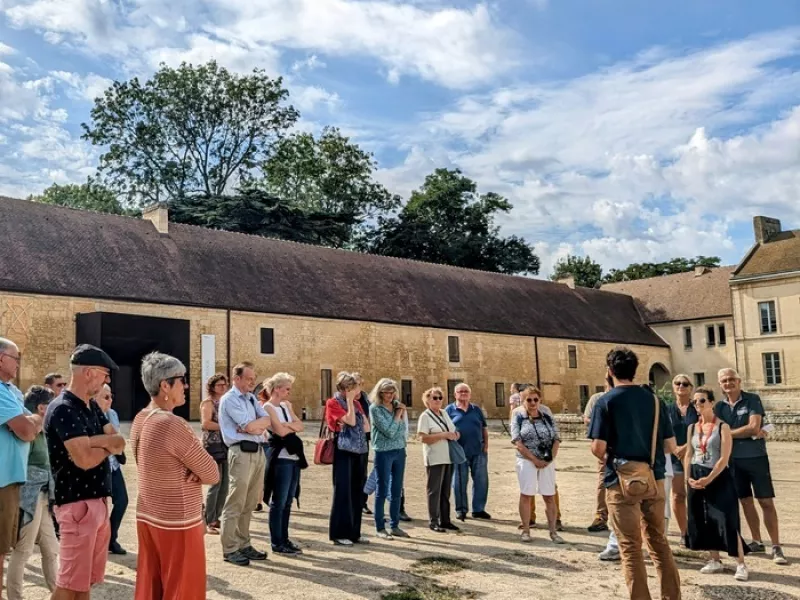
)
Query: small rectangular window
[
  {"x": 599, "y": 389},
  {"x": 326, "y": 385},
  {"x": 769, "y": 318},
  {"x": 722, "y": 335},
  {"x": 573, "y": 356},
  {"x": 699, "y": 379},
  {"x": 687, "y": 338},
  {"x": 406, "y": 391},
  {"x": 584, "y": 391},
  {"x": 267, "y": 340},
  {"x": 499, "y": 394},
  {"x": 772, "y": 368},
  {"x": 451, "y": 389},
  {"x": 453, "y": 349},
  {"x": 711, "y": 338}
]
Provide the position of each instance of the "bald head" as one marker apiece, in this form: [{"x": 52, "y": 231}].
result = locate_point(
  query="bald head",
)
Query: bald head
[{"x": 9, "y": 360}]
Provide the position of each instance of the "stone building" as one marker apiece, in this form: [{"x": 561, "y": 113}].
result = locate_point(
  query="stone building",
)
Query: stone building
[
  {"x": 215, "y": 298},
  {"x": 692, "y": 313}
]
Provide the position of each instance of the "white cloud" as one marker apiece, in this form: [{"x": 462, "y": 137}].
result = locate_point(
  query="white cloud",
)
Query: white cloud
[
  {"x": 310, "y": 98},
  {"x": 309, "y": 64},
  {"x": 83, "y": 87},
  {"x": 235, "y": 55},
  {"x": 6, "y": 49}
]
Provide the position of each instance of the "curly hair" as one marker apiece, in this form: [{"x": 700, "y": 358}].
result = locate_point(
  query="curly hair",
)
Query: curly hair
[{"x": 213, "y": 381}]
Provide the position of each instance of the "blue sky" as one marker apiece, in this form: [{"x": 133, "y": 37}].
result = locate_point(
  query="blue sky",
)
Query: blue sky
[{"x": 624, "y": 130}]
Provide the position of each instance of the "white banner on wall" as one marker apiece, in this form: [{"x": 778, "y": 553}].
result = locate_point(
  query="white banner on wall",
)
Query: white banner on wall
[{"x": 208, "y": 356}]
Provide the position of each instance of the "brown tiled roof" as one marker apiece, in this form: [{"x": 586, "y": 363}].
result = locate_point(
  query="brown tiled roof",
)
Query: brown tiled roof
[
  {"x": 61, "y": 251},
  {"x": 680, "y": 297},
  {"x": 781, "y": 254}
]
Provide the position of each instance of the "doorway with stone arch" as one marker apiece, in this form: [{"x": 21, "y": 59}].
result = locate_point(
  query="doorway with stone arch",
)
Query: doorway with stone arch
[{"x": 659, "y": 376}]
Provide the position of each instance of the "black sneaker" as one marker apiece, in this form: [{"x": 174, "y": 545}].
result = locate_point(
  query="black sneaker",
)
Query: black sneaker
[
  {"x": 236, "y": 558},
  {"x": 115, "y": 548},
  {"x": 757, "y": 547},
  {"x": 294, "y": 547},
  {"x": 405, "y": 517},
  {"x": 451, "y": 527},
  {"x": 436, "y": 528},
  {"x": 365, "y": 509},
  {"x": 253, "y": 554},
  {"x": 462, "y": 516},
  {"x": 259, "y": 507},
  {"x": 399, "y": 533},
  {"x": 597, "y": 526},
  {"x": 481, "y": 515},
  {"x": 285, "y": 549}
]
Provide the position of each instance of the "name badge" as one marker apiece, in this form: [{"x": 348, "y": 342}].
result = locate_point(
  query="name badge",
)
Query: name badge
[{"x": 741, "y": 412}]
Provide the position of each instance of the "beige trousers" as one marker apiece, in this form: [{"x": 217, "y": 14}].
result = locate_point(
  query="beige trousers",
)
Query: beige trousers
[
  {"x": 245, "y": 487},
  {"x": 40, "y": 531}
]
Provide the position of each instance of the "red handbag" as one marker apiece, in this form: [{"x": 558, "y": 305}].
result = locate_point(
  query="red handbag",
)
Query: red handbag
[{"x": 323, "y": 451}]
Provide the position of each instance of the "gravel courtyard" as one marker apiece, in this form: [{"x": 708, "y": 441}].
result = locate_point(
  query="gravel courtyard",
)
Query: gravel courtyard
[{"x": 486, "y": 560}]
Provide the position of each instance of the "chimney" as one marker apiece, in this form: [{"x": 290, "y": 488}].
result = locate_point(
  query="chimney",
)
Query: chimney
[
  {"x": 765, "y": 228},
  {"x": 158, "y": 215},
  {"x": 568, "y": 281},
  {"x": 699, "y": 271}
]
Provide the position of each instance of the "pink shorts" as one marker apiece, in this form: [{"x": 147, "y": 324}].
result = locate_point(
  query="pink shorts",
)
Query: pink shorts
[{"x": 85, "y": 534}]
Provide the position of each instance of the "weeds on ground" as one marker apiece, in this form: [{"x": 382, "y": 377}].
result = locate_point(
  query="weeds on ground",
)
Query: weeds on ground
[{"x": 438, "y": 565}]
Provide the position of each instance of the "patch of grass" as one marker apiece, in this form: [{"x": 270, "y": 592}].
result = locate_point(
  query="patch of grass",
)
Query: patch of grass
[
  {"x": 438, "y": 565},
  {"x": 406, "y": 593},
  {"x": 427, "y": 590}
]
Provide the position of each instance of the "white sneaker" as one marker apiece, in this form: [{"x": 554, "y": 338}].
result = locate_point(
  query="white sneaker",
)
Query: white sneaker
[
  {"x": 610, "y": 555},
  {"x": 713, "y": 566},
  {"x": 525, "y": 538},
  {"x": 385, "y": 535},
  {"x": 741, "y": 573},
  {"x": 343, "y": 542}
]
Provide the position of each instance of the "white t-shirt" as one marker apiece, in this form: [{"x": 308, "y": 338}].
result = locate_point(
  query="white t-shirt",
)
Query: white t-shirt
[
  {"x": 284, "y": 417},
  {"x": 439, "y": 452}
]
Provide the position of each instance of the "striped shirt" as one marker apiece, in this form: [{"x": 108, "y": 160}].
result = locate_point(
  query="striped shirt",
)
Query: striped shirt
[{"x": 167, "y": 451}]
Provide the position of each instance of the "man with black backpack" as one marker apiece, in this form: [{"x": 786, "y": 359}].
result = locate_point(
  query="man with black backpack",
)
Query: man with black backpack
[{"x": 632, "y": 436}]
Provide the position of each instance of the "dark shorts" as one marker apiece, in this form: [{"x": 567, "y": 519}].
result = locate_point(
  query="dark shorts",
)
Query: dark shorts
[
  {"x": 9, "y": 517},
  {"x": 752, "y": 477}
]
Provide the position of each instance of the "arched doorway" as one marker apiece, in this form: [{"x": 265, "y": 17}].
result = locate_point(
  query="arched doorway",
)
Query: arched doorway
[{"x": 659, "y": 376}]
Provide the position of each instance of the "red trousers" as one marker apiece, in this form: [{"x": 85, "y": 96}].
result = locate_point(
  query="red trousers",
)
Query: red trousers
[{"x": 172, "y": 563}]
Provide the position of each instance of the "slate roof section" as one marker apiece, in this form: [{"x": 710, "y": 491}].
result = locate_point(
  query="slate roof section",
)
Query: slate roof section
[
  {"x": 61, "y": 251},
  {"x": 781, "y": 254},
  {"x": 680, "y": 297}
]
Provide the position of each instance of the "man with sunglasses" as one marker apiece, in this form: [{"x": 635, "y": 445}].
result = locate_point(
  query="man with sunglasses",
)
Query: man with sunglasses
[
  {"x": 55, "y": 383},
  {"x": 744, "y": 413},
  {"x": 79, "y": 440}
]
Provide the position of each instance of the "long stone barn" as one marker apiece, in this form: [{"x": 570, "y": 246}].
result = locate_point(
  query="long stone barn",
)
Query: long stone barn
[{"x": 214, "y": 298}]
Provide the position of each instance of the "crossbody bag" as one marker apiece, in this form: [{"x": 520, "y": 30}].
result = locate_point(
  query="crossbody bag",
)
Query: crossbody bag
[{"x": 457, "y": 455}]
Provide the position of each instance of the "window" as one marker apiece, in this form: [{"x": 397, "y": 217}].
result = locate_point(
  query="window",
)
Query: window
[
  {"x": 406, "y": 393},
  {"x": 573, "y": 356},
  {"x": 687, "y": 338},
  {"x": 599, "y": 389},
  {"x": 772, "y": 368},
  {"x": 453, "y": 350},
  {"x": 769, "y": 318},
  {"x": 267, "y": 340},
  {"x": 699, "y": 379},
  {"x": 584, "y": 392},
  {"x": 711, "y": 338},
  {"x": 326, "y": 385},
  {"x": 722, "y": 335},
  {"x": 499, "y": 394},
  {"x": 451, "y": 389}
]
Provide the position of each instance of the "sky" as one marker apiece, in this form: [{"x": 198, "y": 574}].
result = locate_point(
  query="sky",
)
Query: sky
[{"x": 624, "y": 130}]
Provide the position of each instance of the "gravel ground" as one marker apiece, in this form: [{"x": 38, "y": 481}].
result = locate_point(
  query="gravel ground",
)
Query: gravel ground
[{"x": 485, "y": 560}]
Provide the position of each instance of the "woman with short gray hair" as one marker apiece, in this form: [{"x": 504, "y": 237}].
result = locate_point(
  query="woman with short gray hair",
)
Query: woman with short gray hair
[{"x": 172, "y": 467}]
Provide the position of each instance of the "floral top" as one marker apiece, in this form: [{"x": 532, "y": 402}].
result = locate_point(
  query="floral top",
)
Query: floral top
[{"x": 534, "y": 433}]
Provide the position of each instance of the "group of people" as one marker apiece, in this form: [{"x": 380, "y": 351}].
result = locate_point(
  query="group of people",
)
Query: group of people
[{"x": 65, "y": 454}]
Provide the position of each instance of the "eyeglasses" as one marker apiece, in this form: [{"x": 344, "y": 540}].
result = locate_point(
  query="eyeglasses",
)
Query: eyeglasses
[
  {"x": 220, "y": 384},
  {"x": 11, "y": 356},
  {"x": 172, "y": 380},
  {"x": 685, "y": 384},
  {"x": 436, "y": 398}
]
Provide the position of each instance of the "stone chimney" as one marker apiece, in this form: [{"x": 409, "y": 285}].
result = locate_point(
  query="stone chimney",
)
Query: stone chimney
[
  {"x": 765, "y": 228},
  {"x": 568, "y": 281},
  {"x": 699, "y": 271},
  {"x": 158, "y": 215}
]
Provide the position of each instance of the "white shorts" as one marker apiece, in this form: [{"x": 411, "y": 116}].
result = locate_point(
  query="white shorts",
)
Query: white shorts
[{"x": 533, "y": 481}]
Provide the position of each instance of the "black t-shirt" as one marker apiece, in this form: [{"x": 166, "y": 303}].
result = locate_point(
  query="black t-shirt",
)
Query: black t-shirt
[
  {"x": 69, "y": 417},
  {"x": 623, "y": 418},
  {"x": 738, "y": 415},
  {"x": 681, "y": 423}
]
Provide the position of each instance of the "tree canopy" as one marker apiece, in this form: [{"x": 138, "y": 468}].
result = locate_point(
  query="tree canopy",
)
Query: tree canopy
[
  {"x": 670, "y": 267},
  {"x": 189, "y": 130},
  {"x": 86, "y": 196},
  {"x": 586, "y": 272}
]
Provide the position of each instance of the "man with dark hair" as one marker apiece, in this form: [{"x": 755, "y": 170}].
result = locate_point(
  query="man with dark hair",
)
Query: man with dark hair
[
  {"x": 55, "y": 383},
  {"x": 621, "y": 431}
]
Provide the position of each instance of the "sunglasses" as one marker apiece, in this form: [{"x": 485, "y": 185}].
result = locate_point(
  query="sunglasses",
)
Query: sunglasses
[
  {"x": 533, "y": 400},
  {"x": 60, "y": 385},
  {"x": 437, "y": 398},
  {"x": 682, "y": 384},
  {"x": 172, "y": 380},
  {"x": 702, "y": 401}
]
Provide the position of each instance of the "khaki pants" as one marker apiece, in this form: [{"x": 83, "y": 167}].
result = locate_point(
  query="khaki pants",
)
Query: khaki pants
[
  {"x": 40, "y": 529},
  {"x": 601, "y": 513},
  {"x": 245, "y": 487},
  {"x": 629, "y": 520}
]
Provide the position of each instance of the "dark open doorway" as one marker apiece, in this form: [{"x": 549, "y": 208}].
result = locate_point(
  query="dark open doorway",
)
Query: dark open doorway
[{"x": 128, "y": 338}]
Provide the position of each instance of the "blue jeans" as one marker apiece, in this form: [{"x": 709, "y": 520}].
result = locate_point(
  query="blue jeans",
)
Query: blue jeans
[
  {"x": 119, "y": 497},
  {"x": 287, "y": 476},
  {"x": 390, "y": 467},
  {"x": 478, "y": 466}
]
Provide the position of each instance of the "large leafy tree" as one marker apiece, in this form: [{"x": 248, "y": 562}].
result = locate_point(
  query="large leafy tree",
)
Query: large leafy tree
[
  {"x": 86, "y": 196},
  {"x": 448, "y": 222},
  {"x": 187, "y": 130},
  {"x": 586, "y": 272},
  {"x": 257, "y": 212},
  {"x": 670, "y": 267}
]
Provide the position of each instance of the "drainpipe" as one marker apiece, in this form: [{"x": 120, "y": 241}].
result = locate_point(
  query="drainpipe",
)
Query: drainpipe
[
  {"x": 228, "y": 344},
  {"x": 536, "y": 355}
]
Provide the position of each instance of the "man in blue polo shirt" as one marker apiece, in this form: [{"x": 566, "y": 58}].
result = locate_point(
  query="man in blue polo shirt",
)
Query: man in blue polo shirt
[
  {"x": 18, "y": 428},
  {"x": 471, "y": 424},
  {"x": 744, "y": 413}
]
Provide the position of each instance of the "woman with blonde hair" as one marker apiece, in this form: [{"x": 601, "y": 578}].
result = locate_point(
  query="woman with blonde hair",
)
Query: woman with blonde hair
[
  {"x": 683, "y": 414},
  {"x": 435, "y": 430},
  {"x": 216, "y": 386},
  {"x": 389, "y": 434},
  {"x": 535, "y": 435},
  {"x": 346, "y": 418}
]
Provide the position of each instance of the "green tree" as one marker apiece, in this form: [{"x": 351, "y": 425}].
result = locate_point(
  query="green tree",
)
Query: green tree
[
  {"x": 645, "y": 270},
  {"x": 86, "y": 196},
  {"x": 586, "y": 272},
  {"x": 448, "y": 222},
  {"x": 328, "y": 173},
  {"x": 190, "y": 130},
  {"x": 255, "y": 211}
]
